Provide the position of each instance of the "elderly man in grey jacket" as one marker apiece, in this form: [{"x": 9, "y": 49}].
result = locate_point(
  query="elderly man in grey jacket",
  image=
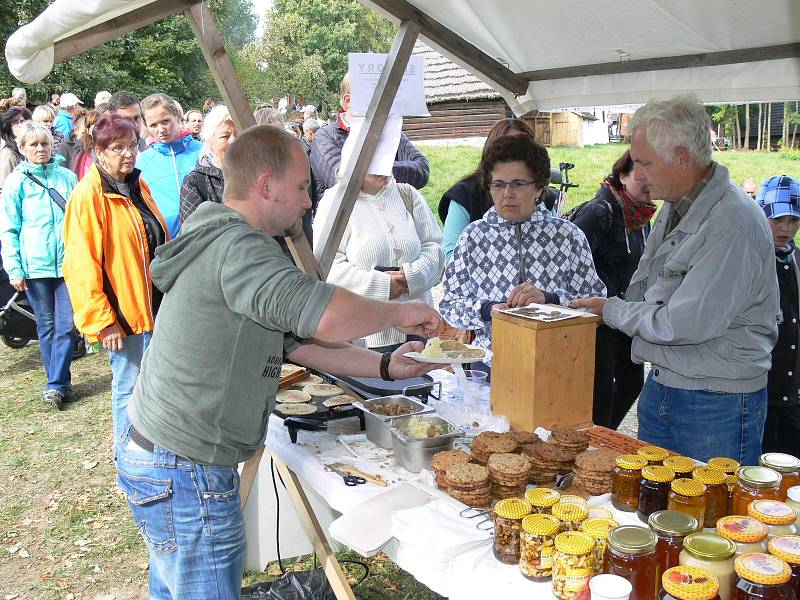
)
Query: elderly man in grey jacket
[{"x": 702, "y": 306}]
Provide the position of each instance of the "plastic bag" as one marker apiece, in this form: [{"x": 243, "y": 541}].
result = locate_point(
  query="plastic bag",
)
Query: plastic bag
[{"x": 294, "y": 585}]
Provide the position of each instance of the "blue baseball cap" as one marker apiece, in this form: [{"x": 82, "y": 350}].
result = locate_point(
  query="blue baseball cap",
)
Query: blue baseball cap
[{"x": 780, "y": 196}]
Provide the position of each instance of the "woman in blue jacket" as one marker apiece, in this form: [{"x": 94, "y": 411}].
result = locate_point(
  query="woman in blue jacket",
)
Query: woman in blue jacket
[
  {"x": 169, "y": 159},
  {"x": 32, "y": 241}
]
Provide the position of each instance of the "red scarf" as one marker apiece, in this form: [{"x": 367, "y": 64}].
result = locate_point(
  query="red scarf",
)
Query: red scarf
[
  {"x": 636, "y": 215},
  {"x": 341, "y": 122}
]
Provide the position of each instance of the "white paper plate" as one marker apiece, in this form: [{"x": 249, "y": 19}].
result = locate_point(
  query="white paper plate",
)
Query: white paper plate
[{"x": 444, "y": 360}]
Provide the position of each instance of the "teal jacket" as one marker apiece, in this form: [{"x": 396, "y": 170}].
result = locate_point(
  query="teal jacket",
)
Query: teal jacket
[
  {"x": 164, "y": 167},
  {"x": 31, "y": 224}
]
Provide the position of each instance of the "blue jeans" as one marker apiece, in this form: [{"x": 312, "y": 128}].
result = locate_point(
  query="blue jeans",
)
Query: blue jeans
[
  {"x": 125, "y": 365},
  {"x": 701, "y": 424},
  {"x": 191, "y": 520},
  {"x": 49, "y": 299}
]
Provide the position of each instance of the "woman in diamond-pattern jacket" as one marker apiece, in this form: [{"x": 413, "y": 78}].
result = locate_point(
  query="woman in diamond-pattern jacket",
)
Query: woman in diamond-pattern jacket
[{"x": 519, "y": 253}]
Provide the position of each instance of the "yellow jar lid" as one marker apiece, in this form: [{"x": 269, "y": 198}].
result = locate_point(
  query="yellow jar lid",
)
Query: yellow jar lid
[
  {"x": 541, "y": 524},
  {"x": 574, "y": 542},
  {"x": 741, "y": 529},
  {"x": 680, "y": 464},
  {"x": 709, "y": 476},
  {"x": 570, "y": 511},
  {"x": 723, "y": 463},
  {"x": 634, "y": 462},
  {"x": 652, "y": 452},
  {"x": 512, "y": 508},
  {"x": 689, "y": 583},
  {"x": 542, "y": 497},
  {"x": 782, "y": 463},
  {"x": 772, "y": 512},
  {"x": 599, "y": 513},
  {"x": 598, "y": 528},
  {"x": 658, "y": 474},
  {"x": 762, "y": 568},
  {"x": 688, "y": 487},
  {"x": 786, "y": 547}
]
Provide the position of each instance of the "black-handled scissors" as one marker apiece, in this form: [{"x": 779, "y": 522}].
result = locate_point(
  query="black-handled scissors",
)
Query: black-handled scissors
[{"x": 353, "y": 480}]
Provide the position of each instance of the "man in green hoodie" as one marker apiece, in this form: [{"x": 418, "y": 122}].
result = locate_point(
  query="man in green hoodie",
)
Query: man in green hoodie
[{"x": 234, "y": 306}]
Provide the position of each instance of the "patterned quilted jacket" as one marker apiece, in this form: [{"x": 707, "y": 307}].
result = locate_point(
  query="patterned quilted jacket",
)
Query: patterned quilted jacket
[{"x": 493, "y": 256}]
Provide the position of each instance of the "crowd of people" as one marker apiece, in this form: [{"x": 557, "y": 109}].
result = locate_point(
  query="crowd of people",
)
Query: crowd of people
[{"x": 160, "y": 234}]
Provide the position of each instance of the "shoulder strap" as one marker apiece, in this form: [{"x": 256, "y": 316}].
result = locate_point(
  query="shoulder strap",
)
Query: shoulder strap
[
  {"x": 52, "y": 192},
  {"x": 407, "y": 195}
]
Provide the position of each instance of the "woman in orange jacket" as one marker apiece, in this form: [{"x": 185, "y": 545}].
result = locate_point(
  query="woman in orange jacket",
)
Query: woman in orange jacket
[{"x": 112, "y": 230}]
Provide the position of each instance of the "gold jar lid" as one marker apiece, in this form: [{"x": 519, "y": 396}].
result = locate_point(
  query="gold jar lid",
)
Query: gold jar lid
[
  {"x": 632, "y": 539},
  {"x": 688, "y": 487},
  {"x": 759, "y": 477},
  {"x": 541, "y": 524},
  {"x": 772, "y": 512},
  {"x": 658, "y": 474},
  {"x": 655, "y": 453},
  {"x": 574, "y": 542},
  {"x": 786, "y": 547},
  {"x": 598, "y": 528},
  {"x": 632, "y": 462},
  {"x": 690, "y": 583},
  {"x": 782, "y": 463},
  {"x": 723, "y": 463},
  {"x": 741, "y": 529},
  {"x": 709, "y": 476},
  {"x": 672, "y": 522},
  {"x": 542, "y": 497},
  {"x": 570, "y": 511},
  {"x": 709, "y": 546},
  {"x": 762, "y": 568},
  {"x": 512, "y": 508},
  {"x": 680, "y": 464}
]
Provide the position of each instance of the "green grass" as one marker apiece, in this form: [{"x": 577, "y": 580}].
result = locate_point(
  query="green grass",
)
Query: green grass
[{"x": 592, "y": 164}]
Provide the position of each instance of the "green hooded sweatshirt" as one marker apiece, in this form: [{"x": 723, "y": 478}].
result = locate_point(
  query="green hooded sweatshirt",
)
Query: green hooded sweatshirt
[{"x": 233, "y": 304}]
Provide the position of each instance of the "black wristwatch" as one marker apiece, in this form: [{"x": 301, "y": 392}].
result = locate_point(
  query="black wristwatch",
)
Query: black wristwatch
[{"x": 386, "y": 358}]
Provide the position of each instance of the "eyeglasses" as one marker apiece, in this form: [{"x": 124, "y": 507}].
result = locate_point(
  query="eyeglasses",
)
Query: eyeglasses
[
  {"x": 119, "y": 149},
  {"x": 498, "y": 185}
]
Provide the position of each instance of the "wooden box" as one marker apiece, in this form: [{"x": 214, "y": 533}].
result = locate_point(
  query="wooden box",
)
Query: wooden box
[{"x": 543, "y": 373}]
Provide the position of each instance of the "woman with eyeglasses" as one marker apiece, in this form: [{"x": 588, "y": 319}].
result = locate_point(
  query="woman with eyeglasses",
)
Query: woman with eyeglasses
[
  {"x": 518, "y": 253},
  {"x": 113, "y": 228},
  {"x": 10, "y": 126}
]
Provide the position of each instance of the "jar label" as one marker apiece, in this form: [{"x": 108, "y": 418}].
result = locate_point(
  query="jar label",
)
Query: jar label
[
  {"x": 577, "y": 579},
  {"x": 773, "y": 508},
  {"x": 787, "y": 543},
  {"x": 546, "y": 558}
]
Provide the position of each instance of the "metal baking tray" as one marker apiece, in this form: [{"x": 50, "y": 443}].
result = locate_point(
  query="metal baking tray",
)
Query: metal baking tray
[
  {"x": 376, "y": 424},
  {"x": 415, "y": 454}
]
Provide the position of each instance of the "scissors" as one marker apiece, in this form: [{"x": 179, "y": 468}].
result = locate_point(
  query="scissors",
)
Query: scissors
[{"x": 350, "y": 480}]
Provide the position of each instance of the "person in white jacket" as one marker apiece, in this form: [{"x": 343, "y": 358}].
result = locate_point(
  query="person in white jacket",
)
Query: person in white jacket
[{"x": 391, "y": 249}]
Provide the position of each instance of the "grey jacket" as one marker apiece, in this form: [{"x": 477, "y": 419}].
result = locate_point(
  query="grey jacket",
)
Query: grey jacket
[{"x": 703, "y": 304}]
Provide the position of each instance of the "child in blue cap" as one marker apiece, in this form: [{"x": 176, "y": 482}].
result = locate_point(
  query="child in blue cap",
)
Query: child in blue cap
[{"x": 780, "y": 198}]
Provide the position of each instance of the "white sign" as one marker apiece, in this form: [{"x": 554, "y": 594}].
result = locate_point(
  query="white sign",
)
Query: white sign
[
  {"x": 383, "y": 159},
  {"x": 365, "y": 71}
]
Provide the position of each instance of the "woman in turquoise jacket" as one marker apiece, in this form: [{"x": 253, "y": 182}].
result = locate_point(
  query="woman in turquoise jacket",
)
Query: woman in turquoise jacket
[{"x": 32, "y": 245}]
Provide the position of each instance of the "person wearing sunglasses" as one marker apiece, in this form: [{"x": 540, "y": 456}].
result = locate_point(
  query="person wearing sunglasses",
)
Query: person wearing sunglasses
[
  {"x": 113, "y": 227},
  {"x": 518, "y": 253}
]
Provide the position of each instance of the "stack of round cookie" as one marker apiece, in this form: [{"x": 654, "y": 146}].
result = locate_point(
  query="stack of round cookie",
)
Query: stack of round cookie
[
  {"x": 509, "y": 475},
  {"x": 593, "y": 470},
  {"x": 525, "y": 438},
  {"x": 548, "y": 461},
  {"x": 469, "y": 484},
  {"x": 488, "y": 442},
  {"x": 570, "y": 439},
  {"x": 442, "y": 460}
]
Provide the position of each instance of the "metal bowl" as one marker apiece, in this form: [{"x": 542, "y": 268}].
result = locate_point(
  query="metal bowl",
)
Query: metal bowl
[
  {"x": 413, "y": 453},
  {"x": 376, "y": 424}
]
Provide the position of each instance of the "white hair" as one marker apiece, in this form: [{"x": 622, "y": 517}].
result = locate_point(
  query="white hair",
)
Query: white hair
[
  {"x": 34, "y": 132},
  {"x": 679, "y": 122},
  {"x": 310, "y": 125},
  {"x": 19, "y": 92},
  {"x": 219, "y": 115}
]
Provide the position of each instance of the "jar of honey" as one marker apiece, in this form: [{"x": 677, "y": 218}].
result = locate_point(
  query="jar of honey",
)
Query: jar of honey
[
  {"x": 689, "y": 496},
  {"x": 724, "y": 464},
  {"x": 688, "y": 583},
  {"x": 787, "y": 548},
  {"x": 631, "y": 553},
  {"x": 598, "y": 530},
  {"x": 508, "y": 515},
  {"x": 654, "y": 455},
  {"x": 717, "y": 493},
  {"x": 571, "y": 513},
  {"x": 542, "y": 499},
  {"x": 762, "y": 577},
  {"x": 573, "y": 565},
  {"x": 785, "y": 464},
  {"x": 749, "y": 534},
  {"x": 754, "y": 483},
  {"x": 712, "y": 553},
  {"x": 671, "y": 528},
  {"x": 625, "y": 478},
  {"x": 538, "y": 546},
  {"x": 654, "y": 490},
  {"x": 777, "y": 516},
  {"x": 682, "y": 465}
]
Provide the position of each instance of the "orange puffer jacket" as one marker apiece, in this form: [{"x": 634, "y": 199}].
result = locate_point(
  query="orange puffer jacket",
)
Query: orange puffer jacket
[{"x": 104, "y": 232}]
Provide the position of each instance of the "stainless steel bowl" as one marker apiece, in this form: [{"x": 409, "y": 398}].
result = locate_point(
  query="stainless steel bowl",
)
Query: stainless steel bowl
[
  {"x": 413, "y": 453},
  {"x": 376, "y": 424}
]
